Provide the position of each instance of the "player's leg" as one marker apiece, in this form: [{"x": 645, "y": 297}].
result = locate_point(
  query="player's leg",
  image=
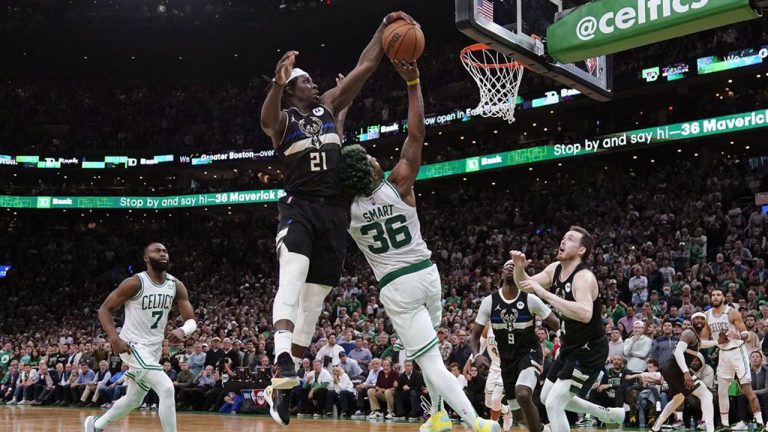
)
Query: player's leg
[
  {"x": 134, "y": 395},
  {"x": 744, "y": 376},
  {"x": 404, "y": 300},
  {"x": 163, "y": 386},
  {"x": 310, "y": 305},
  {"x": 707, "y": 406},
  {"x": 725, "y": 374},
  {"x": 669, "y": 409},
  {"x": 523, "y": 391}
]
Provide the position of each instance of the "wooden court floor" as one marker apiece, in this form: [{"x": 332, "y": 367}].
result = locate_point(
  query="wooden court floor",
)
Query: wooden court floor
[{"x": 50, "y": 419}]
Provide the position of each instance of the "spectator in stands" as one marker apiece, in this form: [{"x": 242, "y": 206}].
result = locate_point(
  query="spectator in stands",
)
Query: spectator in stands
[
  {"x": 315, "y": 393},
  {"x": 361, "y": 354},
  {"x": 196, "y": 360},
  {"x": 615, "y": 345},
  {"x": 330, "y": 350},
  {"x": 45, "y": 387},
  {"x": 638, "y": 285},
  {"x": 23, "y": 395},
  {"x": 637, "y": 348},
  {"x": 62, "y": 392},
  {"x": 759, "y": 383},
  {"x": 94, "y": 386},
  {"x": 627, "y": 323},
  {"x": 664, "y": 346},
  {"x": 410, "y": 388},
  {"x": 384, "y": 390},
  {"x": 215, "y": 353},
  {"x": 444, "y": 345},
  {"x": 9, "y": 380},
  {"x": 193, "y": 397},
  {"x": 82, "y": 378},
  {"x": 341, "y": 393},
  {"x": 350, "y": 367},
  {"x": 462, "y": 351},
  {"x": 475, "y": 389},
  {"x": 115, "y": 388},
  {"x": 230, "y": 353}
]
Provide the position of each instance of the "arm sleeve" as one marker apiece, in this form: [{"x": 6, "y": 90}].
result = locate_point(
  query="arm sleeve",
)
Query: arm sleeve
[
  {"x": 679, "y": 357},
  {"x": 538, "y": 307},
  {"x": 484, "y": 312}
]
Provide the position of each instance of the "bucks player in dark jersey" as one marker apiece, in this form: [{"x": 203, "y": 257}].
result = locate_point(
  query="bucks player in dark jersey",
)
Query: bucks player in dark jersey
[
  {"x": 311, "y": 235},
  {"x": 680, "y": 380},
  {"x": 513, "y": 321},
  {"x": 583, "y": 344}
]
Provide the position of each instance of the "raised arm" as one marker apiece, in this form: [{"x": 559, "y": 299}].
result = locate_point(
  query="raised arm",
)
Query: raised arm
[
  {"x": 544, "y": 278},
  {"x": 273, "y": 119},
  {"x": 584, "y": 294},
  {"x": 128, "y": 289},
  {"x": 187, "y": 314},
  {"x": 404, "y": 173},
  {"x": 341, "y": 96}
]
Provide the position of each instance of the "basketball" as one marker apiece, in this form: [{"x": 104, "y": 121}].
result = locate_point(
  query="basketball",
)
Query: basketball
[{"x": 403, "y": 41}]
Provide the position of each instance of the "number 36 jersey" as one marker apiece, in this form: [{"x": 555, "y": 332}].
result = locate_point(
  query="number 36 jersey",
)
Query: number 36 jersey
[{"x": 387, "y": 230}]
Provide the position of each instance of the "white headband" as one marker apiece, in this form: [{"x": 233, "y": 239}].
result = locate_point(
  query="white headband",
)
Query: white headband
[
  {"x": 295, "y": 73},
  {"x": 699, "y": 314}
]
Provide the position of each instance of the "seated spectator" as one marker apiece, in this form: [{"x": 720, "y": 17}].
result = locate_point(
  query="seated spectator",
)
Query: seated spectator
[
  {"x": 193, "y": 397},
  {"x": 475, "y": 389},
  {"x": 44, "y": 390},
  {"x": 331, "y": 350},
  {"x": 79, "y": 382},
  {"x": 410, "y": 388},
  {"x": 196, "y": 360},
  {"x": 115, "y": 387},
  {"x": 23, "y": 395},
  {"x": 99, "y": 381},
  {"x": 315, "y": 393},
  {"x": 350, "y": 367},
  {"x": 456, "y": 371},
  {"x": 341, "y": 393},
  {"x": 649, "y": 387},
  {"x": 8, "y": 382},
  {"x": 184, "y": 377},
  {"x": 61, "y": 392},
  {"x": 369, "y": 383},
  {"x": 384, "y": 390}
]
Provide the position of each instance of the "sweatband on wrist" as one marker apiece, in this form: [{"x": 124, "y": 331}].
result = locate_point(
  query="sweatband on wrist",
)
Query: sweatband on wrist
[
  {"x": 189, "y": 327},
  {"x": 745, "y": 335},
  {"x": 414, "y": 82}
]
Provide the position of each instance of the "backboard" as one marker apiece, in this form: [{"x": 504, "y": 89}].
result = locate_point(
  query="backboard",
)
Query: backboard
[{"x": 519, "y": 28}]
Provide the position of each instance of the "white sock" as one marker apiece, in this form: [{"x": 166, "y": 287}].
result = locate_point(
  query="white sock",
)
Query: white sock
[
  {"x": 758, "y": 417},
  {"x": 557, "y": 400},
  {"x": 283, "y": 341},
  {"x": 722, "y": 399},
  {"x": 579, "y": 405},
  {"x": 668, "y": 410},
  {"x": 707, "y": 407},
  {"x": 434, "y": 397},
  {"x": 446, "y": 385}
]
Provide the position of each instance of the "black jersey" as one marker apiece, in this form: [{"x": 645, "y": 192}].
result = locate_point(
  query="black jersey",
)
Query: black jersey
[
  {"x": 311, "y": 154},
  {"x": 514, "y": 324},
  {"x": 690, "y": 353},
  {"x": 574, "y": 332}
]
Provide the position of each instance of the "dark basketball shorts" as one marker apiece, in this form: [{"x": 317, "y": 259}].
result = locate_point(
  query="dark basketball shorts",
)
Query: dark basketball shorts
[
  {"x": 675, "y": 379},
  {"x": 580, "y": 363},
  {"x": 512, "y": 367},
  {"x": 316, "y": 229}
]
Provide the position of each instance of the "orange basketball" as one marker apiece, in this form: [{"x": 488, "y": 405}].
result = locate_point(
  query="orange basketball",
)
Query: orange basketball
[{"x": 402, "y": 41}]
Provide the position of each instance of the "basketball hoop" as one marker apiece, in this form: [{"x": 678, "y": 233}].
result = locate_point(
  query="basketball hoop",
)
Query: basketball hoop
[{"x": 497, "y": 75}]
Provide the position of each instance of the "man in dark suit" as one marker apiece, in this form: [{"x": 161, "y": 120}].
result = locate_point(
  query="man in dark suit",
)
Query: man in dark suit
[
  {"x": 408, "y": 394},
  {"x": 759, "y": 374}
]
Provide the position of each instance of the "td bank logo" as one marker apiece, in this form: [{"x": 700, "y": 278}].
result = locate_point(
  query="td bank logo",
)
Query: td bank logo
[
  {"x": 473, "y": 164},
  {"x": 651, "y": 74},
  {"x": 43, "y": 202},
  {"x": 645, "y": 11}
]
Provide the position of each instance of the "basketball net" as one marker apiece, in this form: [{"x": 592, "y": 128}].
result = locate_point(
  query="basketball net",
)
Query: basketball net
[{"x": 498, "y": 77}]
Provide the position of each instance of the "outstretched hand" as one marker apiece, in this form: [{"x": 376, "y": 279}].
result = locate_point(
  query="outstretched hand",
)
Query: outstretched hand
[
  {"x": 399, "y": 15},
  {"x": 408, "y": 70},
  {"x": 285, "y": 67}
]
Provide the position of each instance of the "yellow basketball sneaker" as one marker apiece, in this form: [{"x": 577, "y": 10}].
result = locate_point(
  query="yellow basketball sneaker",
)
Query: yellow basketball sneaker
[
  {"x": 437, "y": 422},
  {"x": 483, "y": 425}
]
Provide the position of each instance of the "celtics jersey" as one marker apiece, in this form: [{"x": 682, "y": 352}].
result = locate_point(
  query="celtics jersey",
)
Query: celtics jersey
[
  {"x": 147, "y": 312},
  {"x": 311, "y": 154},
  {"x": 493, "y": 351},
  {"x": 387, "y": 230},
  {"x": 722, "y": 323}
]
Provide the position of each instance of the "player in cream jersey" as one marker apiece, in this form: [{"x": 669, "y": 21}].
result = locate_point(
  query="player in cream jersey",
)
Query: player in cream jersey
[
  {"x": 726, "y": 326},
  {"x": 385, "y": 226},
  {"x": 148, "y": 298},
  {"x": 387, "y": 230},
  {"x": 494, "y": 384}
]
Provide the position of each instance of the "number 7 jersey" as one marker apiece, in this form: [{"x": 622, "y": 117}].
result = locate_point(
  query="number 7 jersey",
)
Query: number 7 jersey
[
  {"x": 387, "y": 230},
  {"x": 146, "y": 314}
]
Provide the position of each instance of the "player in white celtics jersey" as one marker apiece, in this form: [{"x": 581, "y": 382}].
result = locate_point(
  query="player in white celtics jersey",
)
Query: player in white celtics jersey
[
  {"x": 148, "y": 298},
  {"x": 385, "y": 226},
  {"x": 727, "y": 328}
]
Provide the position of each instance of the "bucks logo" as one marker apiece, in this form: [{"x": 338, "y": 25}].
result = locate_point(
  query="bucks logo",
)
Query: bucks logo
[
  {"x": 509, "y": 315},
  {"x": 312, "y": 127}
]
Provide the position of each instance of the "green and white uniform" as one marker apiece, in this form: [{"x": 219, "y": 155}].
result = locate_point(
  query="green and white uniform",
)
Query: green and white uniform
[
  {"x": 388, "y": 232},
  {"x": 146, "y": 315}
]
